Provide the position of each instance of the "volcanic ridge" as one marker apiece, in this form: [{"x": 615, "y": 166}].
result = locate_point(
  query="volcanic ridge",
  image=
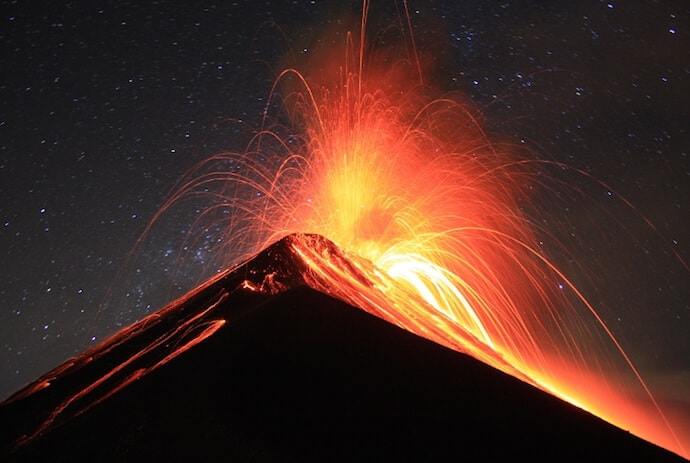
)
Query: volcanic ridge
[{"x": 258, "y": 364}]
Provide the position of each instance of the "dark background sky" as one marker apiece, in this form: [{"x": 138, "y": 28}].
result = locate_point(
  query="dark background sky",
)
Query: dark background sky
[{"x": 105, "y": 105}]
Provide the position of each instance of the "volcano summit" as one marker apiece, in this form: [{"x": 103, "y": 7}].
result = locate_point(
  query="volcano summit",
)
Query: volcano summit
[{"x": 261, "y": 364}]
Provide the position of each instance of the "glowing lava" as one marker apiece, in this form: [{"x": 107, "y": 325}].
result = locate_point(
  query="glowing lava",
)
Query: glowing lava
[{"x": 428, "y": 208}]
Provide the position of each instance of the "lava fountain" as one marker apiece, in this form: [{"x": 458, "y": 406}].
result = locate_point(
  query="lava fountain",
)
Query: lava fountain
[{"x": 429, "y": 211}]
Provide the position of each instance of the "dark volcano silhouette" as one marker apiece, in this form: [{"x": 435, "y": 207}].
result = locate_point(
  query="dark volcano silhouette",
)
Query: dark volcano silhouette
[{"x": 258, "y": 366}]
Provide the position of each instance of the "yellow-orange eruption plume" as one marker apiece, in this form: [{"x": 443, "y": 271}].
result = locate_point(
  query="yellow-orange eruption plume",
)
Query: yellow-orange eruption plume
[{"x": 429, "y": 211}]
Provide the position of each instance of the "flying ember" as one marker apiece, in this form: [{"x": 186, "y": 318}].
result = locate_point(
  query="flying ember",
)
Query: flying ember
[{"x": 428, "y": 210}]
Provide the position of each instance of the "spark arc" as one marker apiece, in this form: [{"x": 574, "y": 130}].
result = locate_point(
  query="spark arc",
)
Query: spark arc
[{"x": 429, "y": 211}]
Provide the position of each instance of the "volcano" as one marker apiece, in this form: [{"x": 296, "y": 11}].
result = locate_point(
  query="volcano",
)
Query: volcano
[{"x": 260, "y": 364}]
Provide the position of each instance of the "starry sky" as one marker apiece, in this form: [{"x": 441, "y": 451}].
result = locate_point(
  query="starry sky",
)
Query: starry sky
[{"x": 105, "y": 105}]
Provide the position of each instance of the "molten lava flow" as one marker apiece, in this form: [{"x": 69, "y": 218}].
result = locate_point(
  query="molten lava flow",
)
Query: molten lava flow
[{"x": 428, "y": 210}]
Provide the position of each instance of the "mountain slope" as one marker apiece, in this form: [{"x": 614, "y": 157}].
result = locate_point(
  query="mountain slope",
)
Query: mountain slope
[{"x": 289, "y": 373}]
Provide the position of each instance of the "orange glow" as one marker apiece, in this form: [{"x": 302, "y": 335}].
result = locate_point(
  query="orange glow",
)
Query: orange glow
[
  {"x": 191, "y": 330},
  {"x": 426, "y": 210}
]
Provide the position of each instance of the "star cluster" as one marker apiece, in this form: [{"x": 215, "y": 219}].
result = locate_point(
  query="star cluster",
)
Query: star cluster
[{"x": 105, "y": 106}]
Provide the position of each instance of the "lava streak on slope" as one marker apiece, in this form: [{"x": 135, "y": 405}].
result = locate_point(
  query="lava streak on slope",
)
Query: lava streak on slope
[{"x": 83, "y": 382}]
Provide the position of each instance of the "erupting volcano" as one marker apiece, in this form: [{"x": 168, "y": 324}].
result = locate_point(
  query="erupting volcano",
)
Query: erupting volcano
[{"x": 431, "y": 229}]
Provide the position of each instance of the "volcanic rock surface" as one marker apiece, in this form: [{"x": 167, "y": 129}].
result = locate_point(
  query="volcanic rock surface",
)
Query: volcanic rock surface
[{"x": 258, "y": 366}]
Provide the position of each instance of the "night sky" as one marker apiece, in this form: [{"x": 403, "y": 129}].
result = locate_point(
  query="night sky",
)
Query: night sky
[{"x": 105, "y": 105}]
